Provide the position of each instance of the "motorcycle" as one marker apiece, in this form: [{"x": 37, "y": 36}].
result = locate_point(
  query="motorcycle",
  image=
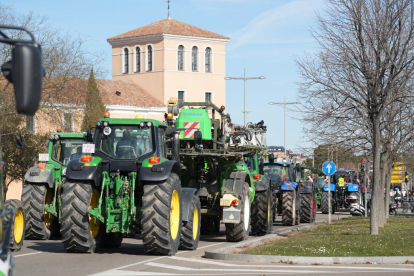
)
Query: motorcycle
[
  {"x": 393, "y": 209},
  {"x": 357, "y": 209}
]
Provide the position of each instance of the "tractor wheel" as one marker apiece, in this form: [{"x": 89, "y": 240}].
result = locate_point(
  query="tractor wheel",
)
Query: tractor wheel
[
  {"x": 190, "y": 232},
  {"x": 216, "y": 225},
  {"x": 161, "y": 216},
  {"x": 208, "y": 225},
  {"x": 325, "y": 204},
  {"x": 262, "y": 213},
  {"x": 17, "y": 228},
  {"x": 289, "y": 212},
  {"x": 80, "y": 232},
  {"x": 236, "y": 232},
  {"x": 308, "y": 206},
  {"x": 112, "y": 240},
  {"x": 40, "y": 225}
]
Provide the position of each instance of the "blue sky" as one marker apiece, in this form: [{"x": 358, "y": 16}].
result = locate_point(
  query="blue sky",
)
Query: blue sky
[{"x": 265, "y": 35}]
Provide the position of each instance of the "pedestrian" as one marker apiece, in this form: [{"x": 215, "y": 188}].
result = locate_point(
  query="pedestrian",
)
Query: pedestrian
[{"x": 397, "y": 196}]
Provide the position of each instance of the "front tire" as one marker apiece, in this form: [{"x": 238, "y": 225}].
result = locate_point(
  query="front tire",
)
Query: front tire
[
  {"x": 308, "y": 207},
  {"x": 289, "y": 211},
  {"x": 17, "y": 227},
  {"x": 161, "y": 216},
  {"x": 40, "y": 225},
  {"x": 190, "y": 232},
  {"x": 262, "y": 213},
  {"x": 236, "y": 232},
  {"x": 80, "y": 232}
]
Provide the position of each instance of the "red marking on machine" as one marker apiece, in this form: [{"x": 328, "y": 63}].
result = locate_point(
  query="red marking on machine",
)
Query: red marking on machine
[{"x": 191, "y": 128}]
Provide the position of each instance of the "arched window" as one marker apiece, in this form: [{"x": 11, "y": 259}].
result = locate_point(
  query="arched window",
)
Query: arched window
[
  {"x": 149, "y": 58},
  {"x": 138, "y": 59},
  {"x": 181, "y": 57},
  {"x": 194, "y": 53},
  {"x": 126, "y": 60},
  {"x": 208, "y": 59}
]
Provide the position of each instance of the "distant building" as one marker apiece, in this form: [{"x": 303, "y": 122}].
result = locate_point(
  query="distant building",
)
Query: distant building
[{"x": 170, "y": 58}]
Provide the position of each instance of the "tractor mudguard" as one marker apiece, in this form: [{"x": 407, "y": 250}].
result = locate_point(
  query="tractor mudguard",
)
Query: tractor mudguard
[
  {"x": 235, "y": 183},
  {"x": 186, "y": 200},
  {"x": 78, "y": 171},
  {"x": 307, "y": 187},
  {"x": 288, "y": 186},
  {"x": 353, "y": 188},
  {"x": 159, "y": 172},
  {"x": 333, "y": 188},
  {"x": 35, "y": 175},
  {"x": 263, "y": 184}
]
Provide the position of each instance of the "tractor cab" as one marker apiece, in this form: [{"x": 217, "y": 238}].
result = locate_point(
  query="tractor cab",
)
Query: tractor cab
[{"x": 280, "y": 172}]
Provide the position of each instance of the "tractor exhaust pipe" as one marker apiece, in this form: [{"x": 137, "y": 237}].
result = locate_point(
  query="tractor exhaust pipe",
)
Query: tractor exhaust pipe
[{"x": 176, "y": 147}]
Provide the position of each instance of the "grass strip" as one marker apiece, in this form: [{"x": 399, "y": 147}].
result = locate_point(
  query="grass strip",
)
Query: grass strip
[{"x": 349, "y": 237}]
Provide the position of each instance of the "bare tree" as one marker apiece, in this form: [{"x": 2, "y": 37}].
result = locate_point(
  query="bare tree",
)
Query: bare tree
[{"x": 362, "y": 71}]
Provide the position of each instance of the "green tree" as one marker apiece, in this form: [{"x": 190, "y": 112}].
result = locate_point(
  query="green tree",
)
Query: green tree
[{"x": 94, "y": 107}]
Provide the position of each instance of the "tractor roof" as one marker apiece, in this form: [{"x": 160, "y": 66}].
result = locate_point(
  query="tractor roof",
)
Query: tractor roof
[
  {"x": 131, "y": 121},
  {"x": 285, "y": 164}
]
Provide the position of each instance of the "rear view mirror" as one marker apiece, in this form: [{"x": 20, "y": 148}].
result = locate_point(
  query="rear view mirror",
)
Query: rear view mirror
[
  {"x": 19, "y": 141},
  {"x": 25, "y": 71},
  {"x": 89, "y": 135}
]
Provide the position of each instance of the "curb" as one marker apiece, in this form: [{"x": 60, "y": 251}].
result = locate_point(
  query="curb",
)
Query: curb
[{"x": 219, "y": 254}]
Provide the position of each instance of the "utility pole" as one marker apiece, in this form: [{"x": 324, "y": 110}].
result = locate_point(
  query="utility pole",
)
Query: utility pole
[
  {"x": 284, "y": 106},
  {"x": 245, "y": 79}
]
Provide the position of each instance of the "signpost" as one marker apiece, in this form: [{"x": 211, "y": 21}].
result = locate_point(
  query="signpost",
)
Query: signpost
[{"x": 329, "y": 168}]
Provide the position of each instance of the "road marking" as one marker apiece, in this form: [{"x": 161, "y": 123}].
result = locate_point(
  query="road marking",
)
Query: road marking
[
  {"x": 114, "y": 270},
  {"x": 285, "y": 266},
  {"x": 22, "y": 255},
  {"x": 181, "y": 268}
]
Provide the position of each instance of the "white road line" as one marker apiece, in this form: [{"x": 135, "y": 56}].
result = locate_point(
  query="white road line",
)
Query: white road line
[
  {"x": 22, "y": 255},
  {"x": 114, "y": 270},
  {"x": 286, "y": 266},
  {"x": 181, "y": 268}
]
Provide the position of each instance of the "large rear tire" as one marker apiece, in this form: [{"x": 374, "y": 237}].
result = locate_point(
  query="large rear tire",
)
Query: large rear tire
[
  {"x": 262, "y": 213},
  {"x": 289, "y": 211},
  {"x": 308, "y": 208},
  {"x": 17, "y": 227},
  {"x": 80, "y": 232},
  {"x": 190, "y": 231},
  {"x": 161, "y": 216},
  {"x": 236, "y": 232},
  {"x": 325, "y": 203},
  {"x": 40, "y": 225}
]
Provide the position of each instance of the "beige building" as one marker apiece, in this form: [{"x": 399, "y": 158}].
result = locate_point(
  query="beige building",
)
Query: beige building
[{"x": 170, "y": 58}]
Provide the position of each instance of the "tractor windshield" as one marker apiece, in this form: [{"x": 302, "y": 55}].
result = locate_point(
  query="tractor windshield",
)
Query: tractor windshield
[
  {"x": 65, "y": 150},
  {"x": 320, "y": 183},
  {"x": 126, "y": 142},
  {"x": 277, "y": 173}
]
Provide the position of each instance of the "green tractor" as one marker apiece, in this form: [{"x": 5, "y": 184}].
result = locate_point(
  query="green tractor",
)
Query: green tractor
[
  {"x": 42, "y": 189},
  {"x": 320, "y": 183},
  {"x": 223, "y": 163},
  {"x": 125, "y": 184}
]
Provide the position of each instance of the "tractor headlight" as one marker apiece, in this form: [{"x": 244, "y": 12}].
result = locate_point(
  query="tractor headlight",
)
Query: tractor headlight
[
  {"x": 56, "y": 137},
  {"x": 105, "y": 123},
  {"x": 64, "y": 171},
  {"x": 149, "y": 124},
  {"x": 141, "y": 124},
  {"x": 98, "y": 124}
]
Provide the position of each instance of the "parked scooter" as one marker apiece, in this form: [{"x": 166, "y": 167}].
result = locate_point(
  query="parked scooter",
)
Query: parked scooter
[
  {"x": 357, "y": 209},
  {"x": 393, "y": 209}
]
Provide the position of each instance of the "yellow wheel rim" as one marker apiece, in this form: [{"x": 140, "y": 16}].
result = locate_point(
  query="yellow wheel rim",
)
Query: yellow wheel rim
[
  {"x": 268, "y": 210},
  {"x": 48, "y": 217},
  {"x": 94, "y": 224},
  {"x": 195, "y": 223},
  {"x": 18, "y": 226},
  {"x": 174, "y": 215}
]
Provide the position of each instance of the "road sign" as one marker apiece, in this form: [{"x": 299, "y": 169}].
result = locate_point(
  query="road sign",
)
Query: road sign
[{"x": 329, "y": 168}]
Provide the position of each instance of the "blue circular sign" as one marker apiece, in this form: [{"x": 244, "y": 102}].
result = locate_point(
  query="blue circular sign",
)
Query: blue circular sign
[{"x": 329, "y": 168}]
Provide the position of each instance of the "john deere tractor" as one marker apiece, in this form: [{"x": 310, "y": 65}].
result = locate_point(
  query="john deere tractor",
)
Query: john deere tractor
[
  {"x": 222, "y": 162},
  {"x": 42, "y": 189},
  {"x": 125, "y": 184}
]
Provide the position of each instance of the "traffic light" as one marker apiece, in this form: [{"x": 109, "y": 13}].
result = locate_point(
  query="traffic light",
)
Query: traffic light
[{"x": 406, "y": 177}]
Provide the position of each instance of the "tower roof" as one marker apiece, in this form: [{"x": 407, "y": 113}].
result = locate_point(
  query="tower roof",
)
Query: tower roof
[{"x": 169, "y": 26}]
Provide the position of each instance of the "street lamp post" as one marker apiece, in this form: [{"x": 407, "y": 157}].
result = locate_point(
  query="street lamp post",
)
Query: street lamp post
[
  {"x": 245, "y": 79},
  {"x": 284, "y": 106}
]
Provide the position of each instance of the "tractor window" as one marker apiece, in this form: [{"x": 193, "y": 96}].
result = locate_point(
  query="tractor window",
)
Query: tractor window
[
  {"x": 320, "y": 183},
  {"x": 126, "y": 142},
  {"x": 161, "y": 142},
  {"x": 65, "y": 150},
  {"x": 248, "y": 160},
  {"x": 274, "y": 172}
]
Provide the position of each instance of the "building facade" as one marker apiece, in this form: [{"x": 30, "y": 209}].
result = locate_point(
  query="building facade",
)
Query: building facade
[{"x": 170, "y": 58}]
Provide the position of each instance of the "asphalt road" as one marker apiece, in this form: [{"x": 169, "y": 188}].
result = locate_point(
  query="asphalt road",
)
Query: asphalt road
[{"x": 45, "y": 258}]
